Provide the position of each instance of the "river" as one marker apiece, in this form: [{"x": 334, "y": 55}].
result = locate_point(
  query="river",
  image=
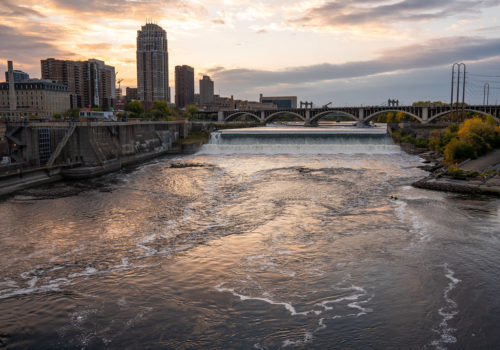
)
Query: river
[{"x": 252, "y": 245}]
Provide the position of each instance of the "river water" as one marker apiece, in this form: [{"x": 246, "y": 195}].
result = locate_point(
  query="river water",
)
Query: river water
[{"x": 251, "y": 246}]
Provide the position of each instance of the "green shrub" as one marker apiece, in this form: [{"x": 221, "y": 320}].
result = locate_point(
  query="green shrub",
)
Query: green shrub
[
  {"x": 457, "y": 173},
  {"x": 421, "y": 142},
  {"x": 453, "y": 128},
  {"x": 435, "y": 141},
  {"x": 457, "y": 151},
  {"x": 408, "y": 139},
  {"x": 396, "y": 135}
]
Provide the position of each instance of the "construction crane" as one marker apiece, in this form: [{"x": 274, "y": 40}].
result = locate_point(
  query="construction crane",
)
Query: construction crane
[
  {"x": 119, "y": 81},
  {"x": 326, "y": 106}
]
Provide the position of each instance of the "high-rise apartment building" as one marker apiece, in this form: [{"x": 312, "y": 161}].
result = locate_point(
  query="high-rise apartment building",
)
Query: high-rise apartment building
[
  {"x": 184, "y": 86},
  {"x": 152, "y": 64},
  {"x": 206, "y": 91},
  {"x": 91, "y": 83},
  {"x": 131, "y": 94}
]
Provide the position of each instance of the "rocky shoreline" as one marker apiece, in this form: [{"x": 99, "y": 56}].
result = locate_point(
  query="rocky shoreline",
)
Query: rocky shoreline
[{"x": 439, "y": 180}]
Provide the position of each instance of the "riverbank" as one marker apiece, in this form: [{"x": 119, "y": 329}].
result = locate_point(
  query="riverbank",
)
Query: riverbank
[
  {"x": 486, "y": 169},
  {"x": 475, "y": 176}
]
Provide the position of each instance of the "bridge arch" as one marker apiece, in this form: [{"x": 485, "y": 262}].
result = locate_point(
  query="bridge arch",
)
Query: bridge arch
[
  {"x": 437, "y": 116},
  {"x": 320, "y": 115},
  {"x": 373, "y": 115},
  {"x": 274, "y": 115},
  {"x": 239, "y": 114}
]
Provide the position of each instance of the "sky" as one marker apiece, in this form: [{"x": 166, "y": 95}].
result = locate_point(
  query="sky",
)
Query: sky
[{"x": 356, "y": 52}]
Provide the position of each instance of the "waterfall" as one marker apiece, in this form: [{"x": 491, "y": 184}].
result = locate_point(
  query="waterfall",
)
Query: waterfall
[{"x": 287, "y": 140}]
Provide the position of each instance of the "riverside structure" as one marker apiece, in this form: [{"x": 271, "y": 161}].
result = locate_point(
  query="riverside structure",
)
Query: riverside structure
[{"x": 46, "y": 152}]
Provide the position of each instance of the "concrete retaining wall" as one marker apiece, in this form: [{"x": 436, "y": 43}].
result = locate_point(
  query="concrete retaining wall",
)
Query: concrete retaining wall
[
  {"x": 90, "y": 143},
  {"x": 90, "y": 149}
]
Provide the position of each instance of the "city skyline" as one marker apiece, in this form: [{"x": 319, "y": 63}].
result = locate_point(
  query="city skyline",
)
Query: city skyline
[{"x": 345, "y": 52}]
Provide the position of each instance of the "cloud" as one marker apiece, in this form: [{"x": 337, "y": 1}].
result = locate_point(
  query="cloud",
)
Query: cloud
[
  {"x": 433, "y": 53},
  {"x": 488, "y": 29},
  {"x": 131, "y": 8},
  {"x": 380, "y": 13},
  {"x": 16, "y": 45},
  {"x": 95, "y": 46},
  {"x": 128, "y": 46},
  {"x": 415, "y": 85},
  {"x": 10, "y": 9}
]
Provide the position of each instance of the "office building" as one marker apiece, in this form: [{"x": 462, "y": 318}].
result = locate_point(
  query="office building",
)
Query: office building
[
  {"x": 152, "y": 65},
  {"x": 19, "y": 76},
  {"x": 184, "y": 86},
  {"x": 282, "y": 102},
  {"x": 91, "y": 83},
  {"x": 206, "y": 91}
]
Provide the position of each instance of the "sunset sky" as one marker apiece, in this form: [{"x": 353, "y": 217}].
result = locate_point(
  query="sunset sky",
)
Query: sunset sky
[{"x": 348, "y": 52}]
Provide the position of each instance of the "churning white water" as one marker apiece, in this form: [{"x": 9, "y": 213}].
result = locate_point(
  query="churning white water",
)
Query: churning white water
[
  {"x": 268, "y": 238},
  {"x": 343, "y": 139}
]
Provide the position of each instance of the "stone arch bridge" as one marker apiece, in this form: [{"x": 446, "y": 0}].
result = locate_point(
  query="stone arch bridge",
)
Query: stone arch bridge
[{"x": 311, "y": 116}]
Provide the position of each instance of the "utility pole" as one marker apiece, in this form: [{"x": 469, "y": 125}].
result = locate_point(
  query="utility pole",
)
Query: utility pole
[
  {"x": 463, "y": 93},
  {"x": 486, "y": 94},
  {"x": 452, "y": 108}
]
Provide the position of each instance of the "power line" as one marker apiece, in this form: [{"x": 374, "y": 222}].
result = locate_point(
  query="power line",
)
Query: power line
[{"x": 484, "y": 75}]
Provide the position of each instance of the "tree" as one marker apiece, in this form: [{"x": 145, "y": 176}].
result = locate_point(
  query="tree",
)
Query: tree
[
  {"x": 57, "y": 116},
  {"x": 135, "y": 108},
  {"x": 474, "y": 138},
  {"x": 479, "y": 133},
  {"x": 73, "y": 113},
  {"x": 429, "y": 103},
  {"x": 457, "y": 151},
  {"x": 190, "y": 112},
  {"x": 161, "y": 111}
]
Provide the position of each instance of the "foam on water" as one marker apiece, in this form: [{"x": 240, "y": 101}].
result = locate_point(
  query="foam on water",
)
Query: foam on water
[
  {"x": 418, "y": 225},
  {"x": 319, "y": 308},
  {"x": 447, "y": 312},
  {"x": 289, "y": 307}
]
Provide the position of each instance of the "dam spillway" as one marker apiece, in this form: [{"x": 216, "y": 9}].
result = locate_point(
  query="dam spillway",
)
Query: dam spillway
[{"x": 336, "y": 138}]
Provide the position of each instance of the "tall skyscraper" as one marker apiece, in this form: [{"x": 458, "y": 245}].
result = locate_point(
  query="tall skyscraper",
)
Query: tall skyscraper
[
  {"x": 152, "y": 64},
  {"x": 184, "y": 86},
  {"x": 91, "y": 83},
  {"x": 206, "y": 90}
]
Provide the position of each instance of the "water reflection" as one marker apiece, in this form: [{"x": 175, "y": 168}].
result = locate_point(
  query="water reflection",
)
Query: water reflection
[{"x": 249, "y": 250}]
